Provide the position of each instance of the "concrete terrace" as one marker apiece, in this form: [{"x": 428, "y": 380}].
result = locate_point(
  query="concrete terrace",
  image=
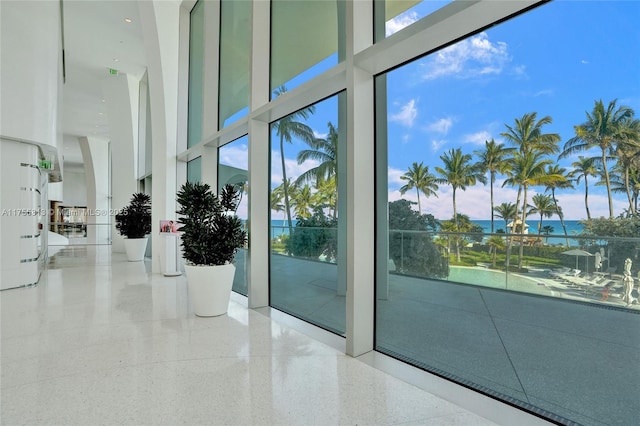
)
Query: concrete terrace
[{"x": 562, "y": 354}]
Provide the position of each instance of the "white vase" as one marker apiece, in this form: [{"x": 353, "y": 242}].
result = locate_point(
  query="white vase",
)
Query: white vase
[
  {"x": 135, "y": 248},
  {"x": 210, "y": 288}
]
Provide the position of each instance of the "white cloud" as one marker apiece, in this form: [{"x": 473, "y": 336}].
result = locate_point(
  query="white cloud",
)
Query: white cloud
[
  {"x": 293, "y": 168},
  {"x": 477, "y": 138},
  {"x": 468, "y": 58},
  {"x": 399, "y": 22},
  {"x": 584, "y": 62},
  {"x": 319, "y": 135},
  {"x": 407, "y": 114},
  {"x": 393, "y": 176},
  {"x": 437, "y": 144},
  {"x": 235, "y": 156},
  {"x": 441, "y": 126},
  {"x": 406, "y": 138},
  {"x": 544, "y": 92}
]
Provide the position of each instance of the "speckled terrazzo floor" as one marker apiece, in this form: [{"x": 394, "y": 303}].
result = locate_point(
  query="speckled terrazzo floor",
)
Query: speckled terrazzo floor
[{"x": 103, "y": 341}]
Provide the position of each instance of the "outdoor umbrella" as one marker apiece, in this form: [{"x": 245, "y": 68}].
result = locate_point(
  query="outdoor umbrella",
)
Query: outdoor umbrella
[{"x": 578, "y": 253}]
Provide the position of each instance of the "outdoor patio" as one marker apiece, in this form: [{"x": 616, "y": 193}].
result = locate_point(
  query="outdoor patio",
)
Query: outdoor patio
[{"x": 571, "y": 355}]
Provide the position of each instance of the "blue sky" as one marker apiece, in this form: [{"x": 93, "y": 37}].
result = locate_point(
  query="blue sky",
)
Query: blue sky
[{"x": 556, "y": 60}]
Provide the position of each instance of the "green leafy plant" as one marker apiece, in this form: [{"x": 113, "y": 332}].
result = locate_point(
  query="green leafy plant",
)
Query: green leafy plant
[
  {"x": 414, "y": 252},
  {"x": 134, "y": 221},
  {"x": 314, "y": 236},
  {"x": 211, "y": 231}
]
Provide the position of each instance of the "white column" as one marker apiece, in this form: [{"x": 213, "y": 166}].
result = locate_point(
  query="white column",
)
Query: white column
[
  {"x": 360, "y": 184},
  {"x": 161, "y": 29},
  {"x": 121, "y": 95},
  {"x": 95, "y": 154},
  {"x": 258, "y": 258}
]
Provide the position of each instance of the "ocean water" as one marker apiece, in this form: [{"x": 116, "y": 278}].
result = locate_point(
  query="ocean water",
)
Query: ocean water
[
  {"x": 279, "y": 227},
  {"x": 573, "y": 227}
]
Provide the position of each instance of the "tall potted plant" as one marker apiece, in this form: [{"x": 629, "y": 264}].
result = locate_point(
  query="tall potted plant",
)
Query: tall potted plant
[
  {"x": 134, "y": 223},
  {"x": 211, "y": 235}
]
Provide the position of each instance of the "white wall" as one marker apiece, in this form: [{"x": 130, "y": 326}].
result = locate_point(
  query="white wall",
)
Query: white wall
[
  {"x": 30, "y": 76},
  {"x": 30, "y": 83},
  {"x": 75, "y": 188}
]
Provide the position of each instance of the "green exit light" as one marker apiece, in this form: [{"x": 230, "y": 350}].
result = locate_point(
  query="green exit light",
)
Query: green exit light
[{"x": 113, "y": 72}]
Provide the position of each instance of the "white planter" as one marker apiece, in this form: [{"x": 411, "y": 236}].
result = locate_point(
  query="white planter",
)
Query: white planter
[
  {"x": 210, "y": 288},
  {"x": 135, "y": 248}
]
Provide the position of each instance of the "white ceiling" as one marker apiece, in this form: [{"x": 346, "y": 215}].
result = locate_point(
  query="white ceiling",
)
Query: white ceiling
[{"x": 96, "y": 38}]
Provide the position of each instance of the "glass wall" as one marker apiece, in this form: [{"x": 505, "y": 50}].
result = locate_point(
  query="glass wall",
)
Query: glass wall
[
  {"x": 305, "y": 274},
  {"x": 235, "y": 44},
  {"x": 512, "y": 232},
  {"x": 194, "y": 170},
  {"x": 196, "y": 62},
  {"x": 506, "y": 227},
  {"x": 233, "y": 166},
  {"x": 392, "y": 16},
  {"x": 307, "y": 38}
]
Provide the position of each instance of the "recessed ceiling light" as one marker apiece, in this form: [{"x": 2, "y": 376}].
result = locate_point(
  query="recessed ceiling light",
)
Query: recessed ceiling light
[
  {"x": 97, "y": 125},
  {"x": 103, "y": 100},
  {"x": 101, "y": 113},
  {"x": 128, "y": 20},
  {"x": 116, "y": 60}
]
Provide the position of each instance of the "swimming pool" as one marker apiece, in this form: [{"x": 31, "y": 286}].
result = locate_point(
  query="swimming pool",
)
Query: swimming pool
[{"x": 497, "y": 279}]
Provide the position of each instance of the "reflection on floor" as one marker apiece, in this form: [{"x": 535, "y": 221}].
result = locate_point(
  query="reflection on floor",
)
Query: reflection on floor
[{"x": 102, "y": 341}]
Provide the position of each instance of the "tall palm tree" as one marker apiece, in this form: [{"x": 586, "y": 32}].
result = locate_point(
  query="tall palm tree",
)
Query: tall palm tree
[
  {"x": 526, "y": 135},
  {"x": 603, "y": 129},
  {"x": 628, "y": 153},
  {"x": 542, "y": 205},
  {"x": 494, "y": 244},
  {"x": 323, "y": 151},
  {"x": 546, "y": 230},
  {"x": 459, "y": 172},
  {"x": 492, "y": 160},
  {"x": 326, "y": 195},
  {"x": 288, "y": 128},
  {"x": 562, "y": 182},
  {"x": 527, "y": 169},
  {"x": 277, "y": 197},
  {"x": 583, "y": 168},
  {"x": 419, "y": 177},
  {"x": 506, "y": 212},
  {"x": 302, "y": 200},
  {"x": 527, "y": 165},
  {"x": 325, "y": 174}
]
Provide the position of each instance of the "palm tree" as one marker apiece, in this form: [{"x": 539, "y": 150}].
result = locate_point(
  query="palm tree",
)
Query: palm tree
[
  {"x": 542, "y": 205},
  {"x": 277, "y": 196},
  {"x": 527, "y": 136},
  {"x": 583, "y": 168},
  {"x": 419, "y": 177},
  {"x": 492, "y": 160},
  {"x": 507, "y": 212},
  {"x": 527, "y": 165},
  {"x": 326, "y": 195},
  {"x": 527, "y": 169},
  {"x": 628, "y": 153},
  {"x": 546, "y": 230},
  {"x": 288, "y": 128},
  {"x": 302, "y": 200},
  {"x": 323, "y": 151},
  {"x": 494, "y": 244},
  {"x": 562, "y": 182},
  {"x": 603, "y": 129},
  {"x": 459, "y": 173}
]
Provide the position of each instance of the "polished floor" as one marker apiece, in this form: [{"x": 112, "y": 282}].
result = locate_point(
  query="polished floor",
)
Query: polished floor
[{"x": 102, "y": 341}]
